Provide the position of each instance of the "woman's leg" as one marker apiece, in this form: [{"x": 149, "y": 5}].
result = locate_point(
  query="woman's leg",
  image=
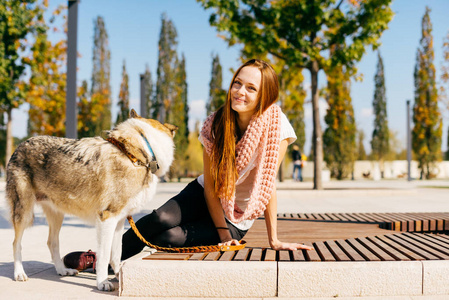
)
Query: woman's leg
[{"x": 189, "y": 205}]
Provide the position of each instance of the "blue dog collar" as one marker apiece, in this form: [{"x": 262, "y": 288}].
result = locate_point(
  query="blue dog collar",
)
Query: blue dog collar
[{"x": 154, "y": 166}]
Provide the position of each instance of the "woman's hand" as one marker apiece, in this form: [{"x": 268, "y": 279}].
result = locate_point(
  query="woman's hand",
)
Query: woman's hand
[
  {"x": 289, "y": 246},
  {"x": 230, "y": 242}
]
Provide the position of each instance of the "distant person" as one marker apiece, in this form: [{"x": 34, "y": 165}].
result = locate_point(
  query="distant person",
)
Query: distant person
[{"x": 297, "y": 163}]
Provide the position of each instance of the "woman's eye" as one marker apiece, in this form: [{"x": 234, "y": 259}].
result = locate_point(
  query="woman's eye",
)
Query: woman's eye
[{"x": 252, "y": 88}]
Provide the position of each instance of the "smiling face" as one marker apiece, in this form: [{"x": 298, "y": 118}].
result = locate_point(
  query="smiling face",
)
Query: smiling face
[{"x": 245, "y": 90}]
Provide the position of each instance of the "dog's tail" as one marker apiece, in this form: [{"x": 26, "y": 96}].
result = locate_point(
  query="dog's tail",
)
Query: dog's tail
[{"x": 19, "y": 195}]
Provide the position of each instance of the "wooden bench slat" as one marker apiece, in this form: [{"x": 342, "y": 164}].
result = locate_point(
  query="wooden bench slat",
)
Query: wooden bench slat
[
  {"x": 325, "y": 254},
  {"x": 227, "y": 256},
  {"x": 212, "y": 256},
  {"x": 337, "y": 252},
  {"x": 270, "y": 255},
  {"x": 362, "y": 250},
  {"x": 256, "y": 255},
  {"x": 298, "y": 255},
  {"x": 197, "y": 256},
  {"x": 376, "y": 250},
  {"x": 392, "y": 243},
  {"x": 284, "y": 255},
  {"x": 432, "y": 238},
  {"x": 311, "y": 255},
  {"x": 435, "y": 250},
  {"x": 351, "y": 252},
  {"x": 439, "y": 237},
  {"x": 242, "y": 255},
  {"x": 411, "y": 247},
  {"x": 388, "y": 249}
]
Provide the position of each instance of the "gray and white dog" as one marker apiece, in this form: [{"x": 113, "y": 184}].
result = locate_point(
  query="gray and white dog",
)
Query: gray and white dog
[{"x": 100, "y": 181}]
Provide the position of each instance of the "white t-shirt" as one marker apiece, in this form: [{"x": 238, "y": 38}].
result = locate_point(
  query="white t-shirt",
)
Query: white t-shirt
[{"x": 244, "y": 183}]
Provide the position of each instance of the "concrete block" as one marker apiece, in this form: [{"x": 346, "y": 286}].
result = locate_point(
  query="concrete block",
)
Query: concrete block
[
  {"x": 230, "y": 279},
  {"x": 349, "y": 279},
  {"x": 435, "y": 277}
]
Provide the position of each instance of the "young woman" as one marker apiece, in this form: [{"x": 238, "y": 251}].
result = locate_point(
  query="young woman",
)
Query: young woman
[{"x": 244, "y": 143}]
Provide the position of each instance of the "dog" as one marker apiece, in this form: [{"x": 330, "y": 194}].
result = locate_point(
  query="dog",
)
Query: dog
[{"x": 100, "y": 181}]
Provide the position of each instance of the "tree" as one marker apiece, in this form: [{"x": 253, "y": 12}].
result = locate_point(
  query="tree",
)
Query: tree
[
  {"x": 379, "y": 142},
  {"x": 428, "y": 125},
  {"x": 100, "y": 88},
  {"x": 339, "y": 136},
  {"x": 18, "y": 19},
  {"x": 217, "y": 95},
  {"x": 444, "y": 87},
  {"x": 85, "y": 116},
  {"x": 166, "y": 70},
  {"x": 361, "y": 153},
  {"x": 194, "y": 158},
  {"x": 179, "y": 116},
  {"x": 148, "y": 90},
  {"x": 123, "y": 97},
  {"x": 46, "y": 90},
  {"x": 301, "y": 33}
]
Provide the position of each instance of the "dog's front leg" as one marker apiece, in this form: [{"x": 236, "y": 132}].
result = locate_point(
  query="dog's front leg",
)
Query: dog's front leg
[
  {"x": 116, "y": 250},
  {"x": 105, "y": 234}
]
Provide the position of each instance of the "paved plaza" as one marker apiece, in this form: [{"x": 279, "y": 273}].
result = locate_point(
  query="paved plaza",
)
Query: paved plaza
[{"x": 344, "y": 196}]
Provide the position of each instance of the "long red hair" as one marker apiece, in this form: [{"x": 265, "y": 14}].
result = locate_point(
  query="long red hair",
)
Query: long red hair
[{"x": 225, "y": 131}]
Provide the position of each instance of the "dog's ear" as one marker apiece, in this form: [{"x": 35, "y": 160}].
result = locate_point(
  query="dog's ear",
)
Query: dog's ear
[
  {"x": 172, "y": 128},
  {"x": 133, "y": 114}
]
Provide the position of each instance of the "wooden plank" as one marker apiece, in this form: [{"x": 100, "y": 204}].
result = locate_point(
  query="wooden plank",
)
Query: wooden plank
[
  {"x": 311, "y": 255},
  {"x": 368, "y": 217},
  {"x": 256, "y": 255},
  {"x": 341, "y": 217},
  {"x": 373, "y": 248},
  {"x": 349, "y": 217},
  {"x": 362, "y": 250},
  {"x": 227, "y": 256},
  {"x": 212, "y": 256},
  {"x": 242, "y": 255},
  {"x": 438, "y": 237},
  {"x": 197, "y": 256},
  {"x": 298, "y": 255},
  {"x": 424, "y": 244},
  {"x": 310, "y": 216},
  {"x": 407, "y": 252},
  {"x": 388, "y": 249},
  {"x": 284, "y": 255},
  {"x": 317, "y": 216},
  {"x": 270, "y": 255},
  {"x": 302, "y": 216},
  {"x": 433, "y": 238},
  {"x": 351, "y": 252},
  {"x": 411, "y": 247},
  {"x": 337, "y": 252},
  {"x": 324, "y": 253},
  {"x": 168, "y": 256},
  {"x": 325, "y": 217}
]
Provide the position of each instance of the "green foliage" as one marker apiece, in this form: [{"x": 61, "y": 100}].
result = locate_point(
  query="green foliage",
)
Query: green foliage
[
  {"x": 100, "y": 88},
  {"x": 46, "y": 90},
  {"x": 86, "y": 121},
  {"x": 217, "y": 95},
  {"x": 361, "y": 153},
  {"x": 148, "y": 90},
  {"x": 194, "y": 157},
  {"x": 166, "y": 70},
  {"x": 179, "y": 116},
  {"x": 444, "y": 87},
  {"x": 302, "y": 34},
  {"x": 379, "y": 142},
  {"x": 427, "y": 130},
  {"x": 123, "y": 97},
  {"x": 339, "y": 136},
  {"x": 19, "y": 20}
]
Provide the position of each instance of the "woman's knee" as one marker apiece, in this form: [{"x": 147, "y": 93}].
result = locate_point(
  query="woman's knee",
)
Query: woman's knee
[{"x": 174, "y": 237}]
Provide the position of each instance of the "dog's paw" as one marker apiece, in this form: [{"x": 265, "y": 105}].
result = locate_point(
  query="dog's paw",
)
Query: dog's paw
[
  {"x": 67, "y": 272},
  {"x": 20, "y": 276},
  {"x": 105, "y": 286}
]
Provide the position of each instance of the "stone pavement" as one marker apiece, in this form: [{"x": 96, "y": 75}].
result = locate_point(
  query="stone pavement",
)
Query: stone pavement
[{"x": 345, "y": 196}]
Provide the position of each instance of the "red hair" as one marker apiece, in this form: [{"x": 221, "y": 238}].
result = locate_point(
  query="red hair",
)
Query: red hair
[{"x": 225, "y": 131}]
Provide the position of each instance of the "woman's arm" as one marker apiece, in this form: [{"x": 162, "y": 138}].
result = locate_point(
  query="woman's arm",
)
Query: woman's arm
[
  {"x": 214, "y": 205},
  {"x": 271, "y": 214}
]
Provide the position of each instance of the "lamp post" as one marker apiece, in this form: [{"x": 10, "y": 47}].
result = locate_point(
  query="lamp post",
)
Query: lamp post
[
  {"x": 409, "y": 143},
  {"x": 70, "y": 110}
]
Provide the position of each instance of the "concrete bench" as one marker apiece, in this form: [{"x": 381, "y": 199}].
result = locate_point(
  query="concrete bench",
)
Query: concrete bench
[{"x": 391, "y": 264}]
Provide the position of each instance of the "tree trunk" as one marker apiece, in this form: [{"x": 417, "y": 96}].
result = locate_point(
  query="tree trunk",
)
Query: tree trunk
[
  {"x": 9, "y": 139},
  {"x": 317, "y": 137}
]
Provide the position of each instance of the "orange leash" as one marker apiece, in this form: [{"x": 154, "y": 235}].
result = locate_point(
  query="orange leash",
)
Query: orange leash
[{"x": 195, "y": 249}]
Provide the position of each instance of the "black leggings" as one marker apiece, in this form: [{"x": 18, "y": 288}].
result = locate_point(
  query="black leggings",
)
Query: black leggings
[{"x": 183, "y": 221}]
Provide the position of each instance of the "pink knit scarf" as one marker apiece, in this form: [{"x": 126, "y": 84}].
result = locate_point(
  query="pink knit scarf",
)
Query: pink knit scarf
[{"x": 262, "y": 137}]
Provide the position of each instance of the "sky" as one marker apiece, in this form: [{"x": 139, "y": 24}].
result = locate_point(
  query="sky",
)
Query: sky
[{"x": 133, "y": 27}]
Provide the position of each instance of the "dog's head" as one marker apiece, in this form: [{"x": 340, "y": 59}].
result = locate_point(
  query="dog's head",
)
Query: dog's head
[{"x": 147, "y": 138}]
